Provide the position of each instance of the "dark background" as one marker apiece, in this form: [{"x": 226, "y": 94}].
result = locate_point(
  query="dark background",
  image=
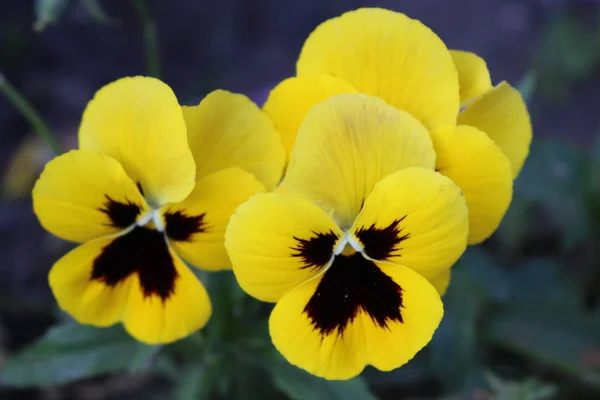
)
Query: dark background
[{"x": 248, "y": 46}]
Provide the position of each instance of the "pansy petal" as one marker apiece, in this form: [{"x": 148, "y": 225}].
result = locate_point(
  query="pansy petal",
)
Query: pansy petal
[
  {"x": 152, "y": 319},
  {"x": 348, "y": 143},
  {"x": 289, "y": 102},
  {"x": 196, "y": 226},
  {"x": 277, "y": 242},
  {"x": 387, "y": 54},
  {"x": 364, "y": 340},
  {"x": 441, "y": 281},
  {"x": 91, "y": 302},
  {"x": 473, "y": 76},
  {"x": 138, "y": 122},
  {"x": 229, "y": 130},
  {"x": 502, "y": 114},
  {"x": 417, "y": 218},
  {"x": 472, "y": 160},
  {"x": 83, "y": 195}
]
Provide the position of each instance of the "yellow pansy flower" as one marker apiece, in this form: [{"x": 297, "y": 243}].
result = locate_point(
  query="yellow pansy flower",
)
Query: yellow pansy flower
[
  {"x": 352, "y": 245},
  {"x": 138, "y": 201},
  {"x": 387, "y": 54}
]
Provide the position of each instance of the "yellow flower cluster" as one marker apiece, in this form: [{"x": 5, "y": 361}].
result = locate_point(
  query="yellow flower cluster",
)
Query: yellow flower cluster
[{"x": 345, "y": 201}]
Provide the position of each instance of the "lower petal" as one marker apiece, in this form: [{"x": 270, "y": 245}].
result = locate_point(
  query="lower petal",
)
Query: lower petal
[
  {"x": 472, "y": 160},
  {"x": 363, "y": 341},
  {"x": 152, "y": 319},
  {"x": 502, "y": 114},
  {"x": 196, "y": 226},
  {"x": 89, "y": 301}
]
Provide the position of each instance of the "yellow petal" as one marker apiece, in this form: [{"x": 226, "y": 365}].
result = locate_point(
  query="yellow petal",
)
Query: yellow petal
[
  {"x": 229, "y": 130},
  {"x": 278, "y": 242},
  {"x": 289, "y": 102},
  {"x": 138, "y": 122},
  {"x": 89, "y": 301},
  {"x": 196, "y": 226},
  {"x": 389, "y": 55},
  {"x": 502, "y": 114},
  {"x": 472, "y": 160},
  {"x": 153, "y": 320},
  {"x": 133, "y": 278},
  {"x": 365, "y": 339},
  {"x": 417, "y": 218},
  {"x": 441, "y": 281},
  {"x": 348, "y": 143},
  {"x": 83, "y": 195},
  {"x": 473, "y": 75}
]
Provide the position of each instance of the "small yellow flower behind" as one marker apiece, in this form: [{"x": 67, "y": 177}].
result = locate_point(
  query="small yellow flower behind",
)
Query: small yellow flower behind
[
  {"x": 357, "y": 243},
  {"x": 136, "y": 197},
  {"x": 398, "y": 59}
]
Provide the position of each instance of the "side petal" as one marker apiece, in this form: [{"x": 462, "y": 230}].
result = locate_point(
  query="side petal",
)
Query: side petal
[
  {"x": 387, "y": 54},
  {"x": 276, "y": 242},
  {"x": 91, "y": 302},
  {"x": 196, "y": 226},
  {"x": 289, "y": 102},
  {"x": 441, "y": 281},
  {"x": 364, "y": 341},
  {"x": 472, "y": 160},
  {"x": 138, "y": 121},
  {"x": 153, "y": 320},
  {"x": 502, "y": 114},
  {"x": 229, "y": 130},
  {"x": 417, "y": 218},
  {"x": 473, "y": 76},
  {"x": 83, "y": 195},
  {"x": 348, "y": 143}
]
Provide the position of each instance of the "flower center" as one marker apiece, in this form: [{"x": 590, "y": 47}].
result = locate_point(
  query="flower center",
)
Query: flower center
[{"x": 152, "y": 218}]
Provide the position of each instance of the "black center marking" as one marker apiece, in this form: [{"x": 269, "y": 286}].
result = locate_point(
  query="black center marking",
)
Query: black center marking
[
  {"x": 143, "y": 251},
  {"x": 350, "y": 285},
  {"x": 182, "y": 227},
  {"x": 316, "y": 251},
  {"x": 121, "y": 215},
  {"x": 382, "y": 243}
]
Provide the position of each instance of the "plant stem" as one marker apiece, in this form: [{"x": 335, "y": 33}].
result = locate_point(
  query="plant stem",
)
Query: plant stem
[
  {"x": 29, "y": 112},
  {"x": 149, "y": 35}
]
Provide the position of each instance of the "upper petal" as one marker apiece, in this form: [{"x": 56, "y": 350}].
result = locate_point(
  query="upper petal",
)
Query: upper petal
[
  {"x": 381, "y": 329},
  {"x": 472, "y": 160},
  {"x": 278, "y": 242},
  {"x": 348, "y": 143},
  {"x": 473, "y": 76},
  {"x": 502, "y": 114},
  {"x": 289, "y": 102},
  {"x": 83, "y": 195},
  {"x": 417, "y": 218},
  {"x": 138, "y": 121},
  {"x": 229, "y": 130},
  {"x": 196, "y": 226},
  {"x": 387, "y": 54}
]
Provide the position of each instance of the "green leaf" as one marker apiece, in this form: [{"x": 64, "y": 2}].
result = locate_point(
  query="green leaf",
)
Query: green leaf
[
  {"x": 97, "y": 12},
  {"x": 143, "y": 358},
  {"x": 551, "y": 333},
  {"x": 527, "y": 85},
  {"x": 190, "y": 385},
  {"x": 300, "y": 385},
  {"x": 69, "y": 352},
  {"x": 48, "y": 12}
]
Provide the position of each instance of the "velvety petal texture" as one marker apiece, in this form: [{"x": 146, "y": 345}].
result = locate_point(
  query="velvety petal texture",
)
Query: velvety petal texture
[
  {"x": 389, "y": 55},
  {"x": 347, "y": 144},
  {"x": 83, "y": 195},
  {"x": 138, "y": 122},
  {"x": 502, "y": 114},
  {"x": 229, "y": 130},
  {"x": 473, "y": 75},
  {"x": 196, "y": 227},
  {"x": 477, "y": 165},
  {"x": 289, "y": 102}
]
